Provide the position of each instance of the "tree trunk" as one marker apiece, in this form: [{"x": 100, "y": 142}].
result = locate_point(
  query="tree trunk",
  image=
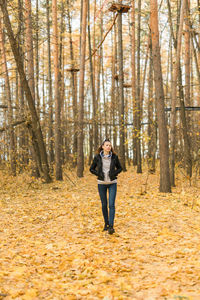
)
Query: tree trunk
[
  {"x": 163, "y": 134},
  {"x": 95, "y": 119},
  {"x": 121, "y": 93},
  {"x": 37, "y": 58},
  {"x": 187, "y": 146},
  {"x": 30, "y": 68},
  {"x": 34, "y": 126},
  {"x": 133, "y": 81},
  {"x": 113, "y": 96},
  {"x": 50, "y": 100},
  {"x": 174, "y": 94},
  {"x": 9, "y": 101},
  {"x": 23, "y": 139},
  {"x": 80, "y": 157},
  {"x": 74, "y": 87},
  {"x": 58, "y": 164},
  {"x": 138, "y": 104},
  {"x": 151, "y": 123}
]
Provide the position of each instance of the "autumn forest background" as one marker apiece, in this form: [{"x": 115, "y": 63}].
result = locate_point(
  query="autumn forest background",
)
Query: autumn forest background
[{"x": 73, "y": 73}]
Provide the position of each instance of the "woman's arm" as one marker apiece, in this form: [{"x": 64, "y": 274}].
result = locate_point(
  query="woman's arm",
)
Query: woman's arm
[
  {"x": 93, "y": 166},
  {"x": 118, "y": 166}
]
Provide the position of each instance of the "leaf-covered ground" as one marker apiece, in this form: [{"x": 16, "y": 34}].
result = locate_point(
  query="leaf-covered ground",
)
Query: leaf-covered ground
[{"x": 52, "y": 245}]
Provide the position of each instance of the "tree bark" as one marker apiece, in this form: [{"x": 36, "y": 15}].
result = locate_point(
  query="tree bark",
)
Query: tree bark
[
  {"x": 94, "y": 103},
  {"x": 174, "y": 94},
  {"x": 138, "y": 104},
  {"x": 133, "y": 81},
  {"x": 163, "y": 134},
  {"x": 30, "y": 68},
  {"x": 113, "y": 96},
  {"x": 121, "y": 94},
  {"x": 74, "y": 87},
  {"x": 80, "y": 157},
  {"x": 50, "y": 96},
  {"x": 151, "y": 125},
  {"x": 58, "y": 164}
]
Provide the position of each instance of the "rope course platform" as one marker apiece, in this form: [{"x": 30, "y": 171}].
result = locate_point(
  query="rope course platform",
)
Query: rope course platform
[
  {"x": 127, "y": 85},
  {"x": 73, "y": 70},
  {"x": 119, "y": 7}
]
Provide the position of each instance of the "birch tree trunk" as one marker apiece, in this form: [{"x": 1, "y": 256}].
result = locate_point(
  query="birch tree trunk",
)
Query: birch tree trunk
[{"x": 163, "y": 134}]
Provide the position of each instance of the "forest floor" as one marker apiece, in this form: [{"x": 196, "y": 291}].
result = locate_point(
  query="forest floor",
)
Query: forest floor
[{"x": 52, "y": 245}]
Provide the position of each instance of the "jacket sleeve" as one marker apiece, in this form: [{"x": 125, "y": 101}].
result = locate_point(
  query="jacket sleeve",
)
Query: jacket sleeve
[
  {"x": 118, "y": 166},
  {"x": 93, "y": 166}
]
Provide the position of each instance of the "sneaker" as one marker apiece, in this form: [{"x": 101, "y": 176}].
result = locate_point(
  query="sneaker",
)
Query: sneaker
[
  {"x": 111, "y": 230},
  {"x": 105, "y": 228}
]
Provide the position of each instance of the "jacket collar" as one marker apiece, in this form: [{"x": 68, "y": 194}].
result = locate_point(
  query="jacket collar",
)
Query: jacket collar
[{"x": 102, "y": 154}]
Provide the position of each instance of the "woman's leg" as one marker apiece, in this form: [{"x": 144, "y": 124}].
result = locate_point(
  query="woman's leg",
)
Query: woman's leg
[
  {"x": 112, "y": 196},
  {"x": 102, "y": 188}
]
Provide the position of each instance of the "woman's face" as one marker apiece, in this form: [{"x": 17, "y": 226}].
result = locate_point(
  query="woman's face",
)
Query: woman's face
[{"x": 106, "y": 146}]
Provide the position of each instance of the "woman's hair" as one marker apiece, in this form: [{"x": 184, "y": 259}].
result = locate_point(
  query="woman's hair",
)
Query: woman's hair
[{"x": 100, "y": 147}]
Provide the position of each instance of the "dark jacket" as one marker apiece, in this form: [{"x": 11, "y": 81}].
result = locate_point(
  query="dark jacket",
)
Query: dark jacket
[{"x": 115, "y": 167}]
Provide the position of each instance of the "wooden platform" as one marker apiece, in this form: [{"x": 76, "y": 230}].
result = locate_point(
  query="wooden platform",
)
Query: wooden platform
[
  {"x": 119, "y": 7},
  {"x": 73, "y": 70},
  {"x": 127, "y": 85}
]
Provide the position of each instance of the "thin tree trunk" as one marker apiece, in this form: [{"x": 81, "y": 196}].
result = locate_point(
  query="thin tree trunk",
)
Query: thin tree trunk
[
  {"x": 50, "y": 100},
  {"x": 163, "y": 134},
  {"x": 80, "y": 157},
  {"x": 58, "y": 164},
  {"x": 187, "y": 147},
  {"x": 23, "y": 141},
  {"x": 103, "y": 82},
  {"x": 138, "y": 104},
  {"x": 121, "y": 93},
  {"x": 74, "y": 87},
  {"x": 37, "y": 58},
  {"x": 133, "y": 81},
  {"x": 63, "y": 121},
  {"x": 174, "y": 94},
  {"x": 95, "y": 119},
  {"x": 30, "y": 68},
  {"x": 113, "y": 96},
  {"x": 34, "y": 124},
  {"x": 151, "y": 123}
]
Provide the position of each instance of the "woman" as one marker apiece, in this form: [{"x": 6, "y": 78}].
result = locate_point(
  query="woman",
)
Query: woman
[{"x": 106, "y": 167}]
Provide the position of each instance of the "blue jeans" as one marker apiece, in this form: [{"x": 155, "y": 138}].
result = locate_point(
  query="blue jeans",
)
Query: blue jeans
[{"x": 112, "y": 188}]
